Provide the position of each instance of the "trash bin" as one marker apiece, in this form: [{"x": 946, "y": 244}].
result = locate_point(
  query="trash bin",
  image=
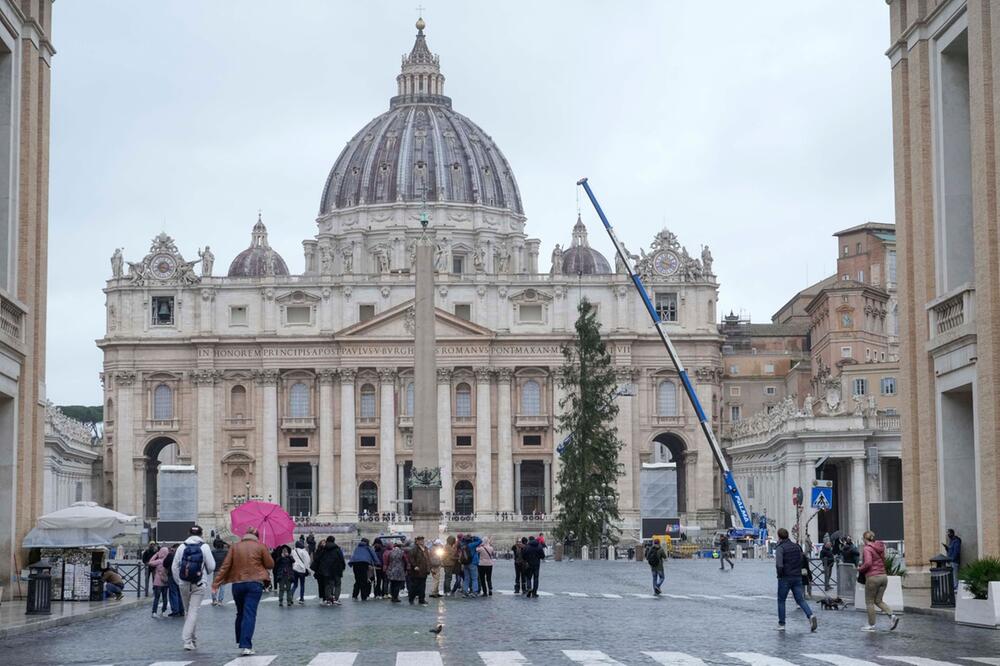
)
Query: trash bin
[
  {"x": 39, "y": 589},
  {"x": 847, "y": 578},
  {"x": 558, "y": 552},
  {"x": 96, "y": 586},
  {"x": 942, "y": 582}
]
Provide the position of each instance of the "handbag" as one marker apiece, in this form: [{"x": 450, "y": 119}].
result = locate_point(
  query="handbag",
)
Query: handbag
[
  {"x": 371, "y": 572},
  {"x": 861, "y": 577}
]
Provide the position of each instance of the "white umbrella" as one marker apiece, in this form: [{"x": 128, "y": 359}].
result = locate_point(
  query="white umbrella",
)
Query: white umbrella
[{"x": 84, "y": 515}]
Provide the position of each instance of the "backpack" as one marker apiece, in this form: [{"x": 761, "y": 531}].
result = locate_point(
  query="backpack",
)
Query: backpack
[
  {"x": 653, "y": 557},
  {"x": 464, "y": 556},
  {"x": 192, "y": 560}
]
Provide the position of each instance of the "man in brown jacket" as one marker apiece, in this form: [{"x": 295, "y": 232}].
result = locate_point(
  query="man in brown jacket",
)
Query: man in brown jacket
[
  {"x": 418, "y": 564},
  {"x": 247, "y": 567}
]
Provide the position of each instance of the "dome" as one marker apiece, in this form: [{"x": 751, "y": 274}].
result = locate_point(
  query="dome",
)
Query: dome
[
  {"x": 421, "y": 148},
  {"x": 580, "y": 258},
  {"x": 259, "y": 259}
]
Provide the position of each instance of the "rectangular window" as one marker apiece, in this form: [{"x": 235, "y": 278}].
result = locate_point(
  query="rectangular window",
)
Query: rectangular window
[
  {"x": 463, "y": 311},
  {"x": 888, "y": 386},
  {"x": 868, "y": 354},
  {"x": 735, "y": 413},
  {"x": 770, "y": 390},
  {"x": 163, "y": 310},
  {"x": 530, "y": 314},
  {"x": 368, "y": 441},
  {"x": 882, "y": 356},
  {"x": 892, "y": 267},
  {"x": 238, "y": 315},
  {"x": 666, "y": 305},
  {"x": 298, "y": 314},
  {"x": 463, "y": 440},
  {"x": 734, "y": 370},
  {"x": 458, "y": 264},
  {"x": 298, "y": 442},
  {"x": 858, "y": 248},
  {"x": 861, "y": 276},
  {"x": 735, "y": 391},
  {"x": 769, "y": 368},
  {"x": 366, "y": 312},
  {"x": 860, "y": 386},
  {"x": 847, "y": 250},
  {"x": 845, "y": 352},
  {"x": 532, "y": 440}
]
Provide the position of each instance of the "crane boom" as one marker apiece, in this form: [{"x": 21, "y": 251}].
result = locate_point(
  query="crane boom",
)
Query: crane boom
[{"x": 727, "y": 475}]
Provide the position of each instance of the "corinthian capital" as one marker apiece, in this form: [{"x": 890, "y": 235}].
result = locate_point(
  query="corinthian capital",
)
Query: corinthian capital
[
  {"x": 125, "y": 378},
  {"x": 483, "y": 374},
  {"x": 328, "y": 375},
  {"x": 387, "y": 375},
  {"x": 505, "y": 375},
  {"x": 444, "y": 375},
  {"x": 348, "y": 375},
  {"x": 266, "y": 377},
  {"x": 205, "y": 377}
]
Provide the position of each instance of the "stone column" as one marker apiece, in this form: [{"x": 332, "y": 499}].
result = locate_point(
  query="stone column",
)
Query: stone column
[
  {"x": 323, "y": 487},
  {"x": 401, "y": 487},
  {"x": 484, "y": 443},
  {"x": 314, "y": 495},
  {"x": 268, "y": 464},
  {"x": 626, "y": 482},
  {"x": 505, "y": 444},
  {"x": 348, "y": 464},
  {"x": 517, "y": 488},
  {"x": 807, "y": 473},
  {"x": 428, "y": 479},
  {"x": 387, "y": 439},
  {"x": 558, "y": 393},
  {"x": 124, "y": 445},
  {"x": 859, "y": 499},
  {"x": 283, "y": 485},
  {"x": 444, "y": 437},
  {"x": 204, "y": 381},
  {"x": 547, "y": 481}
]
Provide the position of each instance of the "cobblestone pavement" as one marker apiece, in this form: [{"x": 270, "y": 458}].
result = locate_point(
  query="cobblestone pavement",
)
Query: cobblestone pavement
[{"x": 592, "y": 613}]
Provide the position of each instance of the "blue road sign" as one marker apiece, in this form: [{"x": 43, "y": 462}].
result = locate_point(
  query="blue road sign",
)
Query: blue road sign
[{"x": 822, "y": 498}]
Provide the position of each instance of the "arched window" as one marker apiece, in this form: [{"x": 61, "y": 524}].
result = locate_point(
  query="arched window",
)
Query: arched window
[
  {"x": 368, "y": 497},
  {"x": 238, "y": 483},
  {"x": 464, "y": 499},
  {"x": 109, "y": 411},
  {"x": 531, "y": 398},
  {"x": 463, "y": 400},
  {"x": 163, "y": 403},
  {"x": 368, "y": 401},
  {"x": 238, "y": 401},
  {"x": 298, "y": 401},
  {"x": 408, "y": 402},
  {"x": 666, "y": 398}
]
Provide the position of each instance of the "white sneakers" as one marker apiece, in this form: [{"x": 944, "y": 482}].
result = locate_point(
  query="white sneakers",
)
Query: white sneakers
[
  {"x": 189, "y": 645},
  {"x": 868, "y": 627},
  {"x": 247, "y": 652},
  {"x": 893, "y": 622},
  {"x": 781, "y": 627}
]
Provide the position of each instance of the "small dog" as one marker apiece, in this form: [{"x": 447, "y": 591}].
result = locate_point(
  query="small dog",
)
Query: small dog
[{"x": 835, "y": 603}]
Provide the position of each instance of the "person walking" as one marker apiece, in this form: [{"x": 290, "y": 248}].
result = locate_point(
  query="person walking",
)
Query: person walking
[
  {"x": 311, "y": 544},
  {"x": 449, "y": 564},
  {"x": 725, "y": 553},
  {"x": 394, "y": 563},
  {"x": 826, "y": 557},
  {"x": 418, "y": 565},
  {"x": 247, "y": 567},
  {"x": 534, "y": 555},
  {"x": 486, "y": 555},
  {"x": 155, "y": 564},
  {"x": 151, "y": 549},
  {"x": 518, "y": 550},
  {"x": 363, "y": 562},
  {"x": 284, "y": 575},
  {"x": 330, "y": 562},
  {"x": 469, "y": 557},
  {"x": 301, "y": 559},
  {"x": 173, "y": 590},
  {"x": 381, "y": 585},
  {"x": 954, "y": 549},
  {"x": 316, "y": 559},
  {"x": 437, "y": 552},
  {"x": 849, "y": 552},
  {"x": 788, "y": 560},
  {"x": 655, "y": 558},
  {"x": 192, "y": 567},
  {"x": 219, "y": 551},
  {"x": 872, "y": 569}
]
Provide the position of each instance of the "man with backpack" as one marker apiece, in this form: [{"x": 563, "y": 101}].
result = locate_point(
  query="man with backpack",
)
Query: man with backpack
[
  {"x": 518, "y": 549},
  {"x": 468, "y": 557},
  {"x": 655, "y": 558},
  {"x": 192, "y": 569},
  {"x": 725, "y": 553}
]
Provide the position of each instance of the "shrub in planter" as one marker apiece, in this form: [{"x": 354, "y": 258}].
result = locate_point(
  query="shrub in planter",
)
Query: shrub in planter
[
  {"x": 894, "y": 564},
  {"x": 978, "y": 574}
]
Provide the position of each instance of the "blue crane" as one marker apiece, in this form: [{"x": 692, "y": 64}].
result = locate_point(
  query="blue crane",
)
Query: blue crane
[{"x": 734, "y": 493}]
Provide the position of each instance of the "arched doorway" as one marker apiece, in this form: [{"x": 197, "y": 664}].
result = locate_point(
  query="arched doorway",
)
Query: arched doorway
[
  {"x": 464, "y": 499},
  {"x": 668, "y": 447},
  {"x": 368, "y": 497},
  {"x": 160, "y": 451}
]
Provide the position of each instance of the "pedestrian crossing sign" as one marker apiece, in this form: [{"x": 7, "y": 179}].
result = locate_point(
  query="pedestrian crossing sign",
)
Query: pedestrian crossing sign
[{"x": 822, "y": 498}]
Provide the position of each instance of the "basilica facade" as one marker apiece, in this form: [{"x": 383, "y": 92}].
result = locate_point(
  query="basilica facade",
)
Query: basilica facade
[{"x": 298, "y": 388}]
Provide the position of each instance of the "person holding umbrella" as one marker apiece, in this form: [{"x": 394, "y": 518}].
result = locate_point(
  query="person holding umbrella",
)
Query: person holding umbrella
[{"x": 247, "y": 567}]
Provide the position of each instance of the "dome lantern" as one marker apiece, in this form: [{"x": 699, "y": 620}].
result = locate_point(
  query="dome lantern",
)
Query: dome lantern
[
  {"x": 580, "y": 258},
  {"x": 420, "y": 75},
  {"x": 258, "y": 260}
]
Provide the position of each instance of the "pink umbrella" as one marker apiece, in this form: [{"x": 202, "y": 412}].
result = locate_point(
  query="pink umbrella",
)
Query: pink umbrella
[{"x": 274, "y": 526}]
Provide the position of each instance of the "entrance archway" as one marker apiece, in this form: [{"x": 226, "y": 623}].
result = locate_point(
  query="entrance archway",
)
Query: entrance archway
[
  {"x": 668, "y": 447},
  {"x": 160, "y": 451},
  {"x": 368, "y": 497},
  {"x": 464, "y": 498}
]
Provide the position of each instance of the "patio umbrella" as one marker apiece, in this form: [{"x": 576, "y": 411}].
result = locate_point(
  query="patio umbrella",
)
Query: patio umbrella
[{"x": 274, "y": 526}]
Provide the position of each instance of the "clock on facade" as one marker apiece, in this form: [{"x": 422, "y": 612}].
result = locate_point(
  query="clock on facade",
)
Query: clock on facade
[
  {"x": 845, "y": 320},
  {"x": 666, "y": 263},
  {"x": 163, "y": 266}
]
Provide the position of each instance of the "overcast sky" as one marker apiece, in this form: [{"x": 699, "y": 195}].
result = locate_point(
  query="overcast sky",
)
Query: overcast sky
[{"x": 756, "y": 128}]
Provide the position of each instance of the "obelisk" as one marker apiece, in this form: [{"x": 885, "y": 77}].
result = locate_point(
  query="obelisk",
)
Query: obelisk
[{"x": 425, "y": 480}]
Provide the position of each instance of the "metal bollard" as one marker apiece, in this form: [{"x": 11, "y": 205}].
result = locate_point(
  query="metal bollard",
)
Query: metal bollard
[
  {"x": 39, "y": 589},
  {"x": 942, "y": 582}
]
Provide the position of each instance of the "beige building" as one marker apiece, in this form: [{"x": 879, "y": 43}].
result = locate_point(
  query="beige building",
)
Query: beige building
[
  {"x": 25, "y": 58},
  {"x": 72, "y": 462},
  {"x": 298, "y": 386},
  {"x": 945, "y": 70}
]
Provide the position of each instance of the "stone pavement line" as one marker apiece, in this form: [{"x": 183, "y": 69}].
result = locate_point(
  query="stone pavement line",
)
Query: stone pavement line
[
  {"x": 171, "y": 663},
  {"x": 591, "y": 658},
  {"x": 919, "y": 661},
  {"x": 674, "y": 659},
  {"x": 992, "y": 661},
  {"x": 758, "y": 659},
  {"x": 334, "y": 659},
  {"x": 419, "y": 659},
  {"x": 503, "y": 658},
  {"x": 838, "y": 660},
  {"x": 252, "y": 661}
]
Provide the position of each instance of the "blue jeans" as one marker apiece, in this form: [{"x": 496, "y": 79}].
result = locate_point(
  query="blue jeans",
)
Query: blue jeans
[
  {"x": 159, "y": 596},
  {"x": 793, "y": 584},
  {"x": 657, "y": 578},
  {"x": 219, "y": 596},
  {"x": 111, "y": 590},
  {"x": 299, "y": 582},
  {"x": 174, "y": 595},
  {"x": 470, "y": 576},
  {"x": 247, "y": 596}
]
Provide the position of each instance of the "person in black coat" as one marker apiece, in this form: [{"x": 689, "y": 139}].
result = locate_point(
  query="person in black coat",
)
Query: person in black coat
[
  {"x": 330, "y": 564},
  {"x": 533, "y": 556}
]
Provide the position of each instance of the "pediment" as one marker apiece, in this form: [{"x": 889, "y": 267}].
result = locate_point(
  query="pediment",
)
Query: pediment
[
  {"x": 398, "y": 323},
  {"x": 297, "y": 297}
]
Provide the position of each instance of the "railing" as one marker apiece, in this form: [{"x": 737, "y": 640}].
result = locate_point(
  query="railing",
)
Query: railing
[
  {"x": 952, "y": 310},
  {"x": 367, "y": 420},
  {"x": 133, "y": 576},
  {"x": 887, "y": 422},
  {"x": 11, "y": 318},
  {"x": 239, "y": 422},
  {"x": 463, "y": 420},
  {"x": 532, "y": 420},
  {"x": 162, "y": 424},
  {"x": 298, "y": 422},
  {"x": 405, "y": 421}
]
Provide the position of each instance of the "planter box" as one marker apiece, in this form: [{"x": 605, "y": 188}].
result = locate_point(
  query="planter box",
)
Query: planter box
[
  {"x": 893, "y": 596},
  {"x": 978, "y": 612}
]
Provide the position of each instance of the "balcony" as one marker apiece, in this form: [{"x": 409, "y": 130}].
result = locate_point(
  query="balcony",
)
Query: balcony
[
  {"x": 239, "y": 423},
  {"x": 12, "y": 322},
  {"x": 367, "y": 421},
  {"x": 405, "y": 421},
  {"x": 298, "y": 423},
  {"x": 532, "y": 421},
  {"x": 463, "y": 420},
  {"x": 162, "y": 425},
  {"x": 888, "y": 422},
  {"x": 952, "y": 316}
]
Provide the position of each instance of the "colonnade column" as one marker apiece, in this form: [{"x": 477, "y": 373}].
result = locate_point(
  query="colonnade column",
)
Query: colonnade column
[
  {"x": 547, "y": 485},
  {"x": 444, "y": 438},
  {"x": 859, "y": 495},
  {"x": 807, "y": 473},
  {"x": 205, "y": 381},
  {"x": 323, "y": 477},
  {"x": 558, "y": 394},
  {"x": 626, "y": 482},
  {"x": 517, "y": 488},
  {"x": 348, "y": 465},
  {"x": 283, "y": 485},
  {"x": 268, "y": 382},
  {"x": 387, "y": 439},
  {"x": 403, "y": 509},
  {"x": 124, "y": 480},
  {"x": 505, "y": 445},
  {"x": 484, "y": 443}
]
